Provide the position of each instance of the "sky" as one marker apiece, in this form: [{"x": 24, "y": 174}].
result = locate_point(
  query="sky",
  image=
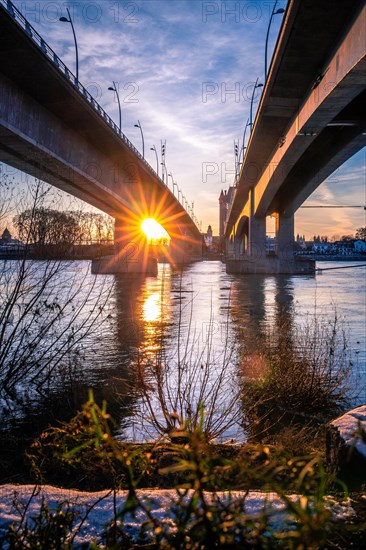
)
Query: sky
[{"x": 185, "y": 70}]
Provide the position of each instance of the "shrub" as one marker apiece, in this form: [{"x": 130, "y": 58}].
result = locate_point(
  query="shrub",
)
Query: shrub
[{"x": 307, "y": 381}]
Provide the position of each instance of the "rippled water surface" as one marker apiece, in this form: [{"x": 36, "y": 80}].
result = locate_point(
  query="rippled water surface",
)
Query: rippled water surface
[{"x": 203, "y": 306}]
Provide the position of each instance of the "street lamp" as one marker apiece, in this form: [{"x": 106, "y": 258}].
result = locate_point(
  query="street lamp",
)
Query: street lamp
[
  {"x": 142, "y": 138},
  {"x": 243, "y": 146},
  {"x": 163, "y": 151},
  {"x": 173, "y": 182},
  {"x": 115, "y": 89},
  {"x": 153, "y": 148},
  {"x": 236, "y": 158},
  {"x": 274, "y": 12},
  {"x": 256, "y": 85},
  {"x": 69, "y": 20}
]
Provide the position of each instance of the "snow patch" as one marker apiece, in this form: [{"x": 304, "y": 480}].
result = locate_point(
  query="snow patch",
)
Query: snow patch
[
  {"x": 348, "y": 424},
  {"x": 161, "y": 503}
]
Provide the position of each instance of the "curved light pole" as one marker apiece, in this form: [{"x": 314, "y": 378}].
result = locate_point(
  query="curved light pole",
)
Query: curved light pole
[
  {"x": 153, "y": 148},
  {"x": 163, "y": 169},
  {"x": 256, "y": 85},
  {"x": 174, "y": 185},
  {"x": 69, "y": 20},
  {"x": 243, "y": 147},
  {"x": 274, "y": 12},
  {"x": 115, "y": 90},
  {"x": 173, "y": 182},
  {"x": 142, "y": 138}
]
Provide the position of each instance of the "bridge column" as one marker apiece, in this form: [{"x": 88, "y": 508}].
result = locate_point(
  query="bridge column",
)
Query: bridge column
[
  {"x": 256, "y": 259},
  {"x": 185, "y": 250},
  {"x": 257, "y": 232},
  {"x": 285, "y": 228},
  {"x": 257, "y": 237},
  {"x": 131, "y": 252}
]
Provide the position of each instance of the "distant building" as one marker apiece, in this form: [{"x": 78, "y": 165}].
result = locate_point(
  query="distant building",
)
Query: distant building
[
  {"x": 301, "y": 242},
  {"x": 7, "y": 243},
  {"x": 360, "y": 246},
  {"x": 208, "y": 236},
  {"x": 270, "y": 245},
  {"x": 225, "y": 200},
  {"x": 340, "y": 248}
]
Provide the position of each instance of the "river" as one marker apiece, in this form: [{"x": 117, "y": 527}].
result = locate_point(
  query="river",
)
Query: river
[{"x": 208, "y": 319}]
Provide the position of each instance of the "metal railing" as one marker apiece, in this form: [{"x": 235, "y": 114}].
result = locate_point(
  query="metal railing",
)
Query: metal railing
[{"x": 24, "y": 24}]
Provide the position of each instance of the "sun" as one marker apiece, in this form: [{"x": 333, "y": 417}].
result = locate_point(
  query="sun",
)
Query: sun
[{"x": 153, "y": 230}]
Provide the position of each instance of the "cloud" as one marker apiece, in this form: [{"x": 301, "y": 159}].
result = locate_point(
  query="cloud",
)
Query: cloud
[{"x": 163, "y": 54}]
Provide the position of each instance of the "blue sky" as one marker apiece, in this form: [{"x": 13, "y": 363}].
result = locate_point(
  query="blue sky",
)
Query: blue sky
[{"x": 185, "y": 70}]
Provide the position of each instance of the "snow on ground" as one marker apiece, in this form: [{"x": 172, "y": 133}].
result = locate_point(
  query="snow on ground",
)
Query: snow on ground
[
  {"x": 348, "y": 424},
  {"x": 161, "y": 504}
]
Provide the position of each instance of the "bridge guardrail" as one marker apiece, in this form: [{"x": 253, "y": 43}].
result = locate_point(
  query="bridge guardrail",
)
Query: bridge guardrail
[{"x": 24, "y": 24}]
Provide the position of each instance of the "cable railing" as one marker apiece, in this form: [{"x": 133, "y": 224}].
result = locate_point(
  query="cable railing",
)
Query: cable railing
[{"x": 24, "y": 24}]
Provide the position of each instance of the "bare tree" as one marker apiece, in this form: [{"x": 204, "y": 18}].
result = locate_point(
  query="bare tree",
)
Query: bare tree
[
  {"x": 179, "y": 388},
  {"x": 45, "y": 226},
  {"x": 48, "y": 309},
  {"x": 361, "y": 233}
]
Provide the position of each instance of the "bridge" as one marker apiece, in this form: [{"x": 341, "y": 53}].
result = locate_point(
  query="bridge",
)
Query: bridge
[
  {"x": 310, "y": 120},
  {"x": 53, "y": 129}
]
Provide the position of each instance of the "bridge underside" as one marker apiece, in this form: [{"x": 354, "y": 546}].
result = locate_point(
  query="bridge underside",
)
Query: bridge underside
[
  {"x": 321, "y": 129},
  {"x": 50, "y": 131}
]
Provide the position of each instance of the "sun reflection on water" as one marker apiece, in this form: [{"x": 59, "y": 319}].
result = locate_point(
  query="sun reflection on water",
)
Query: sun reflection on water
[{"x": 151, "y": 309}]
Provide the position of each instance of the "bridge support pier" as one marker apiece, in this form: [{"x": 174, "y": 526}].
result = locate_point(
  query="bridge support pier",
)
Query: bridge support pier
[
  {"x": 184, "y": 251},
  {"x": 256, "y": 259},
  {"x": 257, "y": 238},
  {"x": 285, "y": 229},
  {"x": 131, "y": 252}
]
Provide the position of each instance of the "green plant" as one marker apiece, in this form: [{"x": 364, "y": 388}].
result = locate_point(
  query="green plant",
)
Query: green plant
[
  {"x": 85, "y": 452},
  {"x": 206, "y": 512}
]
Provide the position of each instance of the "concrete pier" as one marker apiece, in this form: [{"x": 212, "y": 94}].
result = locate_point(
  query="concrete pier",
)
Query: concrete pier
[{"x": 114, "y": 264}]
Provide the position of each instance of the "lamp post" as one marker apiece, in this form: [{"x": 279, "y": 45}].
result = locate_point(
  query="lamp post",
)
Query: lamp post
[
  {"x": 243, "y": 146},
  {"x": 163, "y": 150},
  {"x": 115, "y": 90},
  {"x": 153, "y": 148},
  {"x": 173, "y": 182},
  {"x": 174, "y": 185},
  {"x": 69, "y": 20},
  {"x": 236, "y": 158},
  {"x": 274, "y": 12},
  {"x": 142, "y": 138},
  {"x": 256, "y": 85}
]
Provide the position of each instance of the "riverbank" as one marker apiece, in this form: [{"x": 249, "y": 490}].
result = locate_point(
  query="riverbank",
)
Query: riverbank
[
  {"x": 214, "y": 496},
  {"x": 50, "y": 252},
  {"x": 333, "y": 258}
]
